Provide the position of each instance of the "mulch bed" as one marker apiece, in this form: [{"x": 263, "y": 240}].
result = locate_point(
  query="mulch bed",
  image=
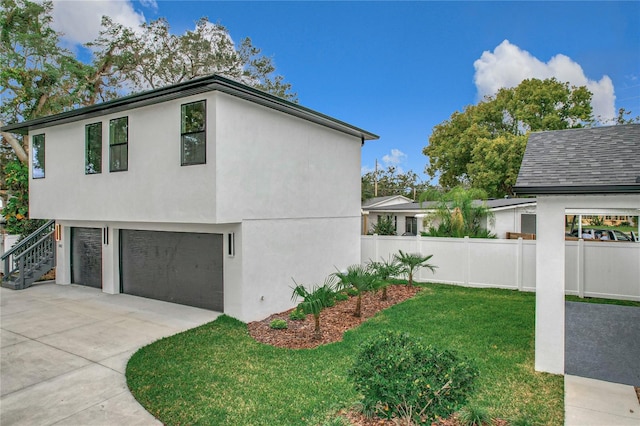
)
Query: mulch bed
[{"x": 334, "y": 322}]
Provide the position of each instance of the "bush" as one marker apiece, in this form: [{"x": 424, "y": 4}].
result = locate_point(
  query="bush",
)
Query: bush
[
  {"x": 400, "y": 377},
  {"x": 351, "y": 291},
  {"x": 474, "y": 415},
  {"x": 341, "y": 297},
  {"x": 278, "y": 324},
  {"x": 297, "y": 315}
]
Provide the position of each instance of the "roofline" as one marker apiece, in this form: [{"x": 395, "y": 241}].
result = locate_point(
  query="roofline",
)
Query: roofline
[
  {"x": 199, "y": 85},
  {"x": 577, "y": 189}
]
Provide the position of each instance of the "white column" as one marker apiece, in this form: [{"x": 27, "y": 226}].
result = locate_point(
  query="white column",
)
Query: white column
[
  {"x": 63, "y": 255},
  {"x": 110, "y": 260},
  {"x": 550, "y": 264}
]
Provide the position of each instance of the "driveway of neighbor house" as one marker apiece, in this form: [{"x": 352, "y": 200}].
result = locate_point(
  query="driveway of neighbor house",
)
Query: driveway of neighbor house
[{"x": 64, "y": 350}]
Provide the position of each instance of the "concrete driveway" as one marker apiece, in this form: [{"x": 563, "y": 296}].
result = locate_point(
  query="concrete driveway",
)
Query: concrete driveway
[{"x": 64, "y": 350}]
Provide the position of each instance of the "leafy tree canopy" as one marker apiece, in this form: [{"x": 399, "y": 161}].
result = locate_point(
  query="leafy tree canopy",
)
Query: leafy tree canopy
[
  {"x": 483, "y": 145},
  {"x": 391, "y": 182}
]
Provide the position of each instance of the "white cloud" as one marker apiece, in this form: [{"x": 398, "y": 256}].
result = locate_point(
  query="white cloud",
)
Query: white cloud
[
  {"x": 508, "y": 65},
  {"x": 395, "y": 158},
  {"x": 79, "y": 21}
]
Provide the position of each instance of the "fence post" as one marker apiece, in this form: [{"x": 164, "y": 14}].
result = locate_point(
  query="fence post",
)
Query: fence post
[
  {"x": 467, "y": 259},
  {"x": 580, "y": 267},
  {"x": 375, "y": 247},
  {"x": 519, "y": 267}
]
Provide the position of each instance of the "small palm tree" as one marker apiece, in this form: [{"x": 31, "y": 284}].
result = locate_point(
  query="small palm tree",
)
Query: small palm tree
[
  {"x": 385, "y": 269},
  {"x": 412, "y": 262},
  {"x": 313, "y": 302},
  {"x": 362, "y": 279}
]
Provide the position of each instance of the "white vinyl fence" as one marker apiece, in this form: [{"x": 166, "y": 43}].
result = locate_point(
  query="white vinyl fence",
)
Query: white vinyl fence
[{"x": 592, "y": 269}]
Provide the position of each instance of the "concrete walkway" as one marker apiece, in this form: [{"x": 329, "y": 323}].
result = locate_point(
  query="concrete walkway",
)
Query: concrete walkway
[
  {"x": 590, "y": 402},
  {"x": 64, "y": 350}
]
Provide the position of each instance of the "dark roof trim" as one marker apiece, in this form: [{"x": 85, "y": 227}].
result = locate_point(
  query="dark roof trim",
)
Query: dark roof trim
[
  {"x": 582, "y": 190},
  {"x": 200, "y": 85}
]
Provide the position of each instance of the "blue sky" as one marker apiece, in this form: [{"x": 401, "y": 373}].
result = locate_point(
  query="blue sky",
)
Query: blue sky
[{"x": 397, "y": 69}]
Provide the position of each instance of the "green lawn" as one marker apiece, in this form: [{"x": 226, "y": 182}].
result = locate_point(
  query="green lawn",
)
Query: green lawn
[{"x": 217, "y": 374}]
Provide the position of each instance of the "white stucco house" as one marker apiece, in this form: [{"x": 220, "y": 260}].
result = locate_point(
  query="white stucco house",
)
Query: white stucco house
[
  {"x": 208, "y": 193},
  {"x": 577, "y": 171},
  {"x": 514, "y": 215}
]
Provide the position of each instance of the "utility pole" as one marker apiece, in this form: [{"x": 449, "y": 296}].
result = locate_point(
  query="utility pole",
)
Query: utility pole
[{"x": 375, "y": 180}]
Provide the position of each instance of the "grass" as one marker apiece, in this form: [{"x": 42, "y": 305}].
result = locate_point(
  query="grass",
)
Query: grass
[
  {"x": 217, "y": 374},
  {"x": 570, "y": 298}
]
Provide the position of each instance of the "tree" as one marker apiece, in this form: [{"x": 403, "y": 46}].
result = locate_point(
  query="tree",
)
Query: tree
[
  {"x": 483, "y": 145},
  {"x": 154, "y": 57},
  {"x": 314, "y": 301},
  {"x": 360, "y": 278},
  {"x": 384, "y": 226},
  {"x": 412, "y": 262},
  {"x": 391, "y": 181},
  {"x": 458, "y": 213},
  {"x": 385, "y": 269}
]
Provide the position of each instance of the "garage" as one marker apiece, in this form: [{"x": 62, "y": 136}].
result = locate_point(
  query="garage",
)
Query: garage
[
  {"x": 86, "y": 256},
  {"x": 176, "y": 267}
]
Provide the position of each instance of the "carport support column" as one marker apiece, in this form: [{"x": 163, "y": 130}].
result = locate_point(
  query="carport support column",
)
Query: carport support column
[
  {"x": 550, "y": 263},
  {"x": 63, "y": 255}
]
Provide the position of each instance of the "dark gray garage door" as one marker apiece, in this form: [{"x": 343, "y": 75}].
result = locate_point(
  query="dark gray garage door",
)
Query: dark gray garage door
[
  {"x": 177, "y": 267},
  {"x": 86, "y": 256}
]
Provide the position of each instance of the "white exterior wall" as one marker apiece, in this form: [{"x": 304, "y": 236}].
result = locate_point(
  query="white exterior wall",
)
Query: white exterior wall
[
  {"x": 288, "y": 188},
  {"x": 508, "y": 220}
]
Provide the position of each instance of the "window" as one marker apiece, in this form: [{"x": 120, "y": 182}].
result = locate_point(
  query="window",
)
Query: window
[
  {"x": 93, "y": 148},
  {"x": 119, "y": 144},
  {"x": 193, "y": 133},
  {"x": 37, "y": 156}
]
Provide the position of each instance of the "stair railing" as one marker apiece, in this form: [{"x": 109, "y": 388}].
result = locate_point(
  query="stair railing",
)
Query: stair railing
[{"x": 30, "y": 253}]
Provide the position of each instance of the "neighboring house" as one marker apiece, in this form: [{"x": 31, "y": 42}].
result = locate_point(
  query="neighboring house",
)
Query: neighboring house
[
  {"x": 509, "y": 215},
  {"x": 578, "y": 171},
  {"x": 207, "y": 193}
]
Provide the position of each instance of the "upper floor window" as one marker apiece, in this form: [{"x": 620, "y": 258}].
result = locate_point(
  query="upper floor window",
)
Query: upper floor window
[
  {"x": 119, "y": 144},
  {"x": 37, "y": 156},
  {"x": 193, "y": 133},
  {"x": 93, "y": 148}
]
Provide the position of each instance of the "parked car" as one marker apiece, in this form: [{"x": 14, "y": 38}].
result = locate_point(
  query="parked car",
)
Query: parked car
[{"x": 603, "y": 234}]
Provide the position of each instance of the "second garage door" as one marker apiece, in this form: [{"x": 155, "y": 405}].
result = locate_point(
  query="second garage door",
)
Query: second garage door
[{"x": 177, "y": 267}]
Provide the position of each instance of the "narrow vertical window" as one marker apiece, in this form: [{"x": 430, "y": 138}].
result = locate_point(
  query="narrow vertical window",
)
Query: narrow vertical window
[
  {"x": 193, "y": 133},
  {"x": 37, "y": 157},
  {"x": 119, "y": 144},
  {"x": 93, "y": 148}
]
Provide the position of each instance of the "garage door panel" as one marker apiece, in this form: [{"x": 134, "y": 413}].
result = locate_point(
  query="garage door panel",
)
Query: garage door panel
[{"x": 176, "y": 267}]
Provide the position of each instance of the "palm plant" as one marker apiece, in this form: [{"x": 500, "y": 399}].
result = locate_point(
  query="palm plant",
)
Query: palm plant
[
  {"x": 313, "y": 302},
  {"x": 385, "y": 269},
  {"x": 412, "y": 262},
  {"x": 362, "y": 279}
]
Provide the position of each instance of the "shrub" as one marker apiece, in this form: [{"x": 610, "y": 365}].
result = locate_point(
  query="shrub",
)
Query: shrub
[
  {"x": 278, "y": 324},
  {"x": 297, "y": 315},
  {"x": 402, "y": 378},
  {"x": 342, "y": 296},
  {"x": 351, "y": 291},
  {"x": 472, "y": 415}
]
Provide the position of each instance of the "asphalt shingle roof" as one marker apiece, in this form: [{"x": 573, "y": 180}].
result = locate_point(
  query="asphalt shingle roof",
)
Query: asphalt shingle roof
[{"x": 591, "y": 160}]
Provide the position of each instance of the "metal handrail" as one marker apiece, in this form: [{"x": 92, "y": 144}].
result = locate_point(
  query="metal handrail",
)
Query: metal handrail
[{"x": 27, "y": 240}]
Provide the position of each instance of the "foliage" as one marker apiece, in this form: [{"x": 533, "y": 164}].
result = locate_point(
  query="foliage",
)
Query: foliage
[
  {"x": 314, "y": 301},
  {"x": 362, "y": 279},
  {"x": 384, "y": 226},
  {"x": 412, "y": 262},
  {"x": 473, "y": 415},
  {"x": 391, "y": 182},
  {"x": 458, "y": 213},
  {"x": 152, "y": 56},
  {"x": 278, "y": 324},
  {"x": 201, "y": 375},
  {"x": 16, "y": 211},
  {"x": 596, "y": 220},
  {"x": 385, "y": 269},
  {"x": 400, "y": 377},
  {"x": 297, "y": 315},
  {"x": 342, "y": 296},
  {"x": 483, "y": 145}
]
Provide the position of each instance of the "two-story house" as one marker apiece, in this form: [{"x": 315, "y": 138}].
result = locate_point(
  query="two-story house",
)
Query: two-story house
[{"x": 207, "y": 193}]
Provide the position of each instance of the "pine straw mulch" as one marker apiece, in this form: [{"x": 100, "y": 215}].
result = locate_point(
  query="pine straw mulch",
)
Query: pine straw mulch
[{"x": 334, "y": 322}]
